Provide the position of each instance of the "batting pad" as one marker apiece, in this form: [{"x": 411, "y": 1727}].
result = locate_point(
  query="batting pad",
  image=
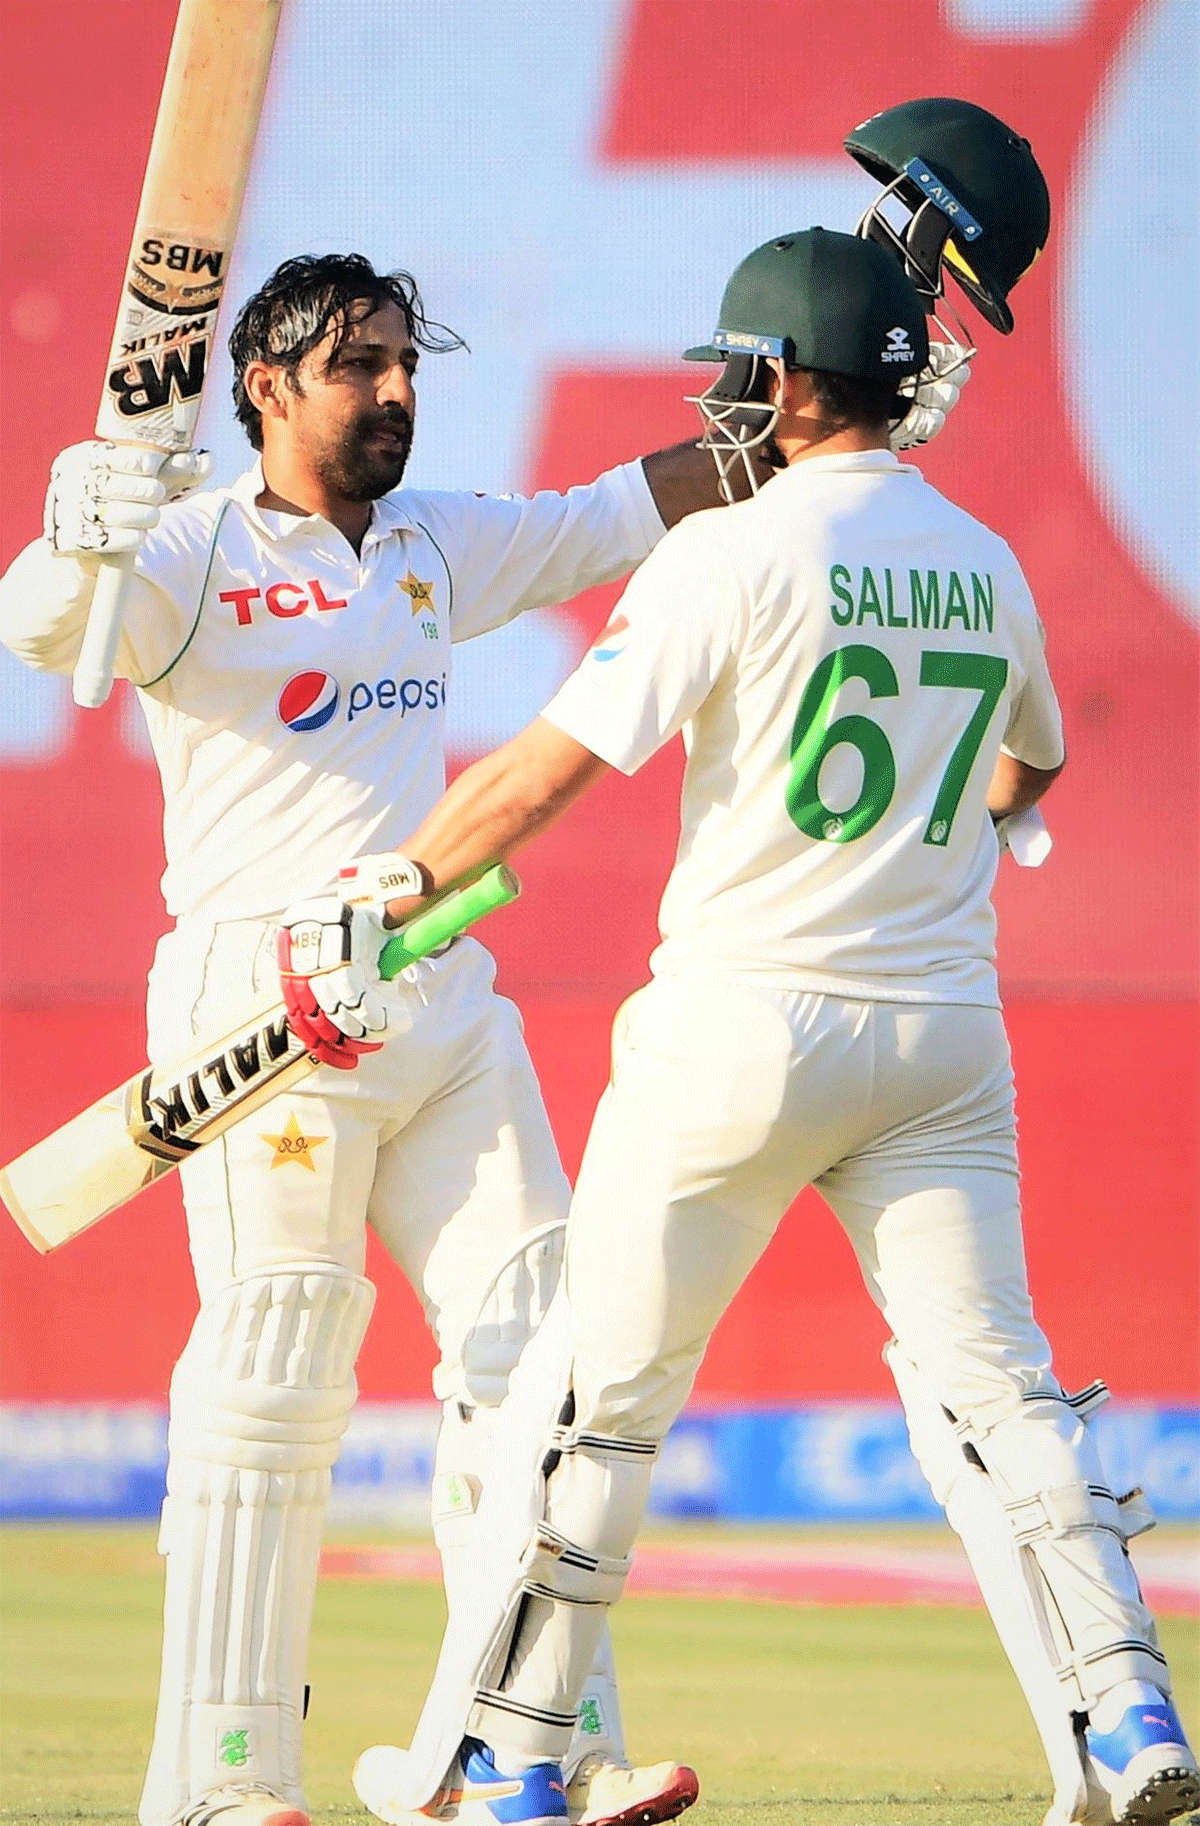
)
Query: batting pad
[
  {"x": 466, "y": 1452},
  {"x": 574, "y": 1569},
  {"x": 259, "y": 1402},
  {"x": 976, "y": 1513},
  {"x": 473, "y": 1381},
  {"x": 1024, "y": 1490}
]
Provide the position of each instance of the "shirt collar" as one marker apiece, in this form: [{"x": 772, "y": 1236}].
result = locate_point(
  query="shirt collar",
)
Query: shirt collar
[
  {"x": 855, "y": 462},
  {"x": 387, "y": 515}
]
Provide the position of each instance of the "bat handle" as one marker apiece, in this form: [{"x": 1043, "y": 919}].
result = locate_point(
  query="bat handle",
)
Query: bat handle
[
  {"x": 93, "y": 677},
  {"x": 446, "y": 918}
]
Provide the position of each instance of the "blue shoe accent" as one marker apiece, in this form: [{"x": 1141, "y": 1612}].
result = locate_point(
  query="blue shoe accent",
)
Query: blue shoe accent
[
  {"x": 542, "y": 1797},
  {"x": 1142, "y": 1727}
]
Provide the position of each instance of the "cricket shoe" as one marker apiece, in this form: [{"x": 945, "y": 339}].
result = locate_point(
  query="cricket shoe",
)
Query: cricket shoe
[
  {"x": 476, "y": 1794},
  {"x": 602, "y": 1793},
  {"x": 244, "y": 1807},
  {"x": 1090, "y": 1804},
  {"x": 1145, "y": 1765}
]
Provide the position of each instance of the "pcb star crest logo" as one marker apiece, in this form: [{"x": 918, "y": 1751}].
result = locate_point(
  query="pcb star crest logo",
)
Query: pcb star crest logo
[
  {"x": 294, "y": 1147},
  {"x": 421, "y": 593}
]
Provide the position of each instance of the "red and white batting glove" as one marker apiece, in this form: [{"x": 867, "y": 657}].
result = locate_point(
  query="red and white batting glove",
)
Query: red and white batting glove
[
  {"x": 328, "y": 956},
  {"x": 372, "y": 881},
  {"x": 935, "y": 394}
]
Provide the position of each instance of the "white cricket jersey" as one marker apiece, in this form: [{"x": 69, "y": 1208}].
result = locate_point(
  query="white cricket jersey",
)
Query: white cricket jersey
[
  {"x": 845, "y": 655},
  {"x": 295, "y": 691}
]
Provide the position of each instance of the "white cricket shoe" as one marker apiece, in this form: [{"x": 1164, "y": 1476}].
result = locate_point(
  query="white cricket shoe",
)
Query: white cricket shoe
[
  {"x": 244, "y": 1807},
  {"x": 601, "y": 1793},
  {"x": 380, "y": 1779},
  {"x": 1146, "y": 1765},
  {"x": 1096, "y": 1811},
  {"x": 1090, "y": 1805},
  {"x": 475, "y": 1793}
]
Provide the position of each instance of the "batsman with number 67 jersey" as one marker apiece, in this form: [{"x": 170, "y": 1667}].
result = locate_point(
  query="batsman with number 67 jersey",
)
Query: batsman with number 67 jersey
[{"x": 860, "y": 682}]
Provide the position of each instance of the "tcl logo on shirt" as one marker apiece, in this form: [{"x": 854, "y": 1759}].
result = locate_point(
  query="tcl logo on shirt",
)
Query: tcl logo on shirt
[
  {"x": 284, "y": 599},
  {"x": 310, "y": 700}
]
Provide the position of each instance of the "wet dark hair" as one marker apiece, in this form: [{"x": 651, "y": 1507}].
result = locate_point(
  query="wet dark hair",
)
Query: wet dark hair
[
  {"x": 307, "y": 297},
  {"x": 847, "y": 400}
]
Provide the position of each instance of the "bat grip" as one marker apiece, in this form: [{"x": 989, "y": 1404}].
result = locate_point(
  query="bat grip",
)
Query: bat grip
[
  {"x": 446, "y": 918},
  {"x": 93, "y": 677}
]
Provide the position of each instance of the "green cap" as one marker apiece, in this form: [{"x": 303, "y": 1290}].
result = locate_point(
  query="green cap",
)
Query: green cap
[{"x": 819, "y": 299}]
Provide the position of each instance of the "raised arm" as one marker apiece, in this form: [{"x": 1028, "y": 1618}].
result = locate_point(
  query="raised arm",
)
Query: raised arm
[
  {"x": 103, "y": 501},
  {"x": 683, "y": 479}
]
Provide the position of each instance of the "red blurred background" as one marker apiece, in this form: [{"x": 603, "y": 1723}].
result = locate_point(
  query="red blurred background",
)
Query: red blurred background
[{"x": 1098, "y": 948}]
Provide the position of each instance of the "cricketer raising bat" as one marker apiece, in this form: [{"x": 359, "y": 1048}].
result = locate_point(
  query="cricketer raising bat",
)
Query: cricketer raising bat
[
  {"x": 143, "y": 1129},
  {"x": 182, "y": 242}
]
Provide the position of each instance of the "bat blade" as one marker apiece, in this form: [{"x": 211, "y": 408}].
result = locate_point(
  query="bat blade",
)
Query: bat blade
[
  {"x": 78, "y": 1175},
  {"x": 183, "y": 240},
  {"x": 140, "y": 1131},
  {"x": 187, "y": 220},
  {"x": 143, "y": 1129}
]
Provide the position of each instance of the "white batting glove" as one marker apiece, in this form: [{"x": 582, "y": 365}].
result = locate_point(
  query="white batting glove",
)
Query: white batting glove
[
  {"x": 104, "y": 498},
  {"x": 934, "y": 395},
  {"x": 328, "y": 956},
  {"x": 371, "y": 881},
  {"x": 1025, "y": 836}
]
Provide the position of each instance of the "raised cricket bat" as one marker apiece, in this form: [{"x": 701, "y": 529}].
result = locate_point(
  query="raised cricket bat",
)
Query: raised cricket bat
[
  {"x": 143, "y": 1129},
  {"x": 182, "y": 243}
]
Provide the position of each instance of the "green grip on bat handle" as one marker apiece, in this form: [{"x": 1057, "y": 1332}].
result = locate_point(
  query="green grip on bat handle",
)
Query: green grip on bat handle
[{"x": 447, "y": 918}]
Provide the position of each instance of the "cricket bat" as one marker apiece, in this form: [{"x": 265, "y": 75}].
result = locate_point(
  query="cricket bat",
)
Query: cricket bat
[
  {"x": 182, "y": 244},
  {"x": 140, "y": 1131}
]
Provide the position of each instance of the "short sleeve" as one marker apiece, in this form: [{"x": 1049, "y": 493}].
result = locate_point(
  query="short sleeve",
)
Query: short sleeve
[
  {"x": 670, "y": 638},
  {"x": 1034, "y": 733},
  {"x": 509, "y": 553}
]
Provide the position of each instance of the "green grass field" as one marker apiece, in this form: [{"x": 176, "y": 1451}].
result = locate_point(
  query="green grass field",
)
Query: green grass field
[{"x": 858, "y": 1717}]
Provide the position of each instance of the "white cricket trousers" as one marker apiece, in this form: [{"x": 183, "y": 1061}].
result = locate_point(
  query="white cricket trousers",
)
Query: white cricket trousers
[
  {"x": 728, "y": 1098},
  {"x": 440, "y": 1142}
]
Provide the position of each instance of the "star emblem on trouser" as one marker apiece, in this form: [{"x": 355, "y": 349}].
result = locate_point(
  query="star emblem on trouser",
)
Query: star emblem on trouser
[{"x": 294, "y": 1147}]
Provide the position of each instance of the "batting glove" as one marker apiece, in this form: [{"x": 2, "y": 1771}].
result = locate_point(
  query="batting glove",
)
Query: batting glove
[
  {"x": 328, "y": 956},
  {"x": 104, "y": 498},
  {"x": 371, "y": 881},
  {"x": 1025, "y": 836},
  {"x": 934, "y": 395}
]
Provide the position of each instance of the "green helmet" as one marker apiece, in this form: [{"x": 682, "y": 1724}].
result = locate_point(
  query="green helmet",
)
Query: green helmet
[
  {"x": 814, "y": 299},
  {"x": 978, "y": 199},
  {"x": 819, "y": 299}
]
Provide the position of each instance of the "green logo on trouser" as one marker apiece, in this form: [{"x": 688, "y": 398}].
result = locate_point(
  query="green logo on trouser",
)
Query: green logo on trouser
[
  {"x": 590, "y": 1721},
  {"x": 233, "y": 1749}
]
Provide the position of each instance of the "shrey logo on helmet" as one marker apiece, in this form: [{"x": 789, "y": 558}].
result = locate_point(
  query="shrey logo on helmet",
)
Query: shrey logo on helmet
[
  {"x": 899, "y": 348},
  {"x": 308, "y": 701}
]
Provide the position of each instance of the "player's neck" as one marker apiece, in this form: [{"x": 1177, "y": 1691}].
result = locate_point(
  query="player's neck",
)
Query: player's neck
[
  {"x": 807, "y": 438},
  {"x": 292, "y": 489}
]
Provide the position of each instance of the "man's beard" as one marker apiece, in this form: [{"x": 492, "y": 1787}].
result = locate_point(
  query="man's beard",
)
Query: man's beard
[{"x": 362, "y": 467}]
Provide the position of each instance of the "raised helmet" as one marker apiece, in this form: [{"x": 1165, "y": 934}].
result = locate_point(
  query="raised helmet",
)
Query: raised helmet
[{"x": 977, "y": 201}]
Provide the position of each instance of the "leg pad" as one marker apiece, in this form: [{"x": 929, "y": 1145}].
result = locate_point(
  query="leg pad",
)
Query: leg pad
[{"x": 259, "y": 1402}]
